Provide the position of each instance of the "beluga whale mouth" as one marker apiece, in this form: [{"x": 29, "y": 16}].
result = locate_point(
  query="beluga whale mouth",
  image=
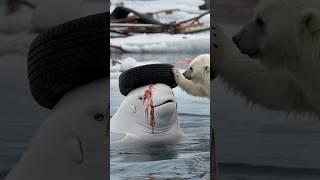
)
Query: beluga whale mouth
[
  {"x": 164, "y": 103},
  {"x": 148, "y": 113}
]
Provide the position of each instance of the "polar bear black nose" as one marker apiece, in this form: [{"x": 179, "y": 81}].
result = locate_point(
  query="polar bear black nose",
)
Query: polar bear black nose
[{"x": 235, "y": 40}]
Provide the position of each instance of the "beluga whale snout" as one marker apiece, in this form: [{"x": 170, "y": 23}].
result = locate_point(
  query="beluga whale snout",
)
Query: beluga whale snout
[
  {"x": 160, "y": 108},
  {"x": 148, "y": 114}
]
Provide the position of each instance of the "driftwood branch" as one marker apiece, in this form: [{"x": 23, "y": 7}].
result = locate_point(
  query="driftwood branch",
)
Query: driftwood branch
[
  {"x": 198, "y": 31},
  {"x": 13, "y": 5},
  {"x": 118, "y": 47},
  {"x": 120, "y": 32},
  {"x": 114, "y": 62},
  {"x": 194, "y": 18},
  {"x": 126, "y": 25},
  {"x": 26, "y": 3},
  {"x": 114, "y": 36},
  {"x": 134, "y": 17},
  {"x": 167, "y": 11},
  {"x": 126, "y": 20}
]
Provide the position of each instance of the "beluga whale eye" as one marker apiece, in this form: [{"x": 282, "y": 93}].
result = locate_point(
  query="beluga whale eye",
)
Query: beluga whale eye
[{"x": 140, "y": 98}]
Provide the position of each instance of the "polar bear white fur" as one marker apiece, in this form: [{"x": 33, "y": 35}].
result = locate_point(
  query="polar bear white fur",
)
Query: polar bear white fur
[
  {"x": 196, "y": 79},
  {"x": 274, "y": 60}
]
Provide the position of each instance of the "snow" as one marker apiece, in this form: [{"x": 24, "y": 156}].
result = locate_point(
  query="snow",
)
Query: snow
[
  {"x": 187, "y": 9},
  {"x": 15, "y": 43},
  {"x": 50, "y": 13},
  {"x": 156, "y": 5},
  {"x": 157, "y": 43},
  {"x": 18, "y": 22},
  {"x": 129, "y": 62},
  {"x": 47, "y": 14}
]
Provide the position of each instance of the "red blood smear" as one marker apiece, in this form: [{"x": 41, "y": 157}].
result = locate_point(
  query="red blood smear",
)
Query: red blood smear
[
  {"x": 150, "y": 109},
  {"x": 188, "y": 61},
  {"x": 184, "y": 62}
]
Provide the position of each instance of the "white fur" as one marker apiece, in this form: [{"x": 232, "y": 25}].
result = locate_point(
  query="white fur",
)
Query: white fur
[
  {"x": 287, "y": 75},
  {"x": 199, "y": 84}
]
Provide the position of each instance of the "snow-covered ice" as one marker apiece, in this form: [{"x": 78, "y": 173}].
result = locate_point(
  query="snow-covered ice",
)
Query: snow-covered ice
[
  {"x": 47, "y": 13},
  {"x": 157, "y": 43},
  {"x": 164, "y": 42}
]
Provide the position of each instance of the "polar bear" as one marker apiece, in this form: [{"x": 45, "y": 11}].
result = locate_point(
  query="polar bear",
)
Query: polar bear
[
  {"x": 196, "y": 79},
  {"x": 274, "y": 60}
]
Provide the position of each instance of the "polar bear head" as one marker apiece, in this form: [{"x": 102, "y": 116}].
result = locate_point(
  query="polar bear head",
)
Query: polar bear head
[
  {"x": 199, "y": 69},
  {"x": 282, "y": 32}
]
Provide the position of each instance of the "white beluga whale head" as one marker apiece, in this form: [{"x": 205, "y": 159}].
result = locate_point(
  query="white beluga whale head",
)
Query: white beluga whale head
[
  {"x": 148, "y": 114},
  {"x": 71, "y": 143}
]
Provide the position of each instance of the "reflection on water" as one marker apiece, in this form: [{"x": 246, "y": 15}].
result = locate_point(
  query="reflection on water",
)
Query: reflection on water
[
  {"x": 172, "y": 58},
  {"x": 147, "y": 153}
]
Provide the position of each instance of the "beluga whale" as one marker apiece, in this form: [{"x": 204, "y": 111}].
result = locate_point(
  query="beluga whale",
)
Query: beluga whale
[{"x": 148, "y": 115}]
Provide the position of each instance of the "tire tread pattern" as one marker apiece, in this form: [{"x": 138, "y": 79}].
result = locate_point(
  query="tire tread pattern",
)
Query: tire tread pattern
[
  {"x": 145, "y": 75},
  {"x": 67, "y": 56}
]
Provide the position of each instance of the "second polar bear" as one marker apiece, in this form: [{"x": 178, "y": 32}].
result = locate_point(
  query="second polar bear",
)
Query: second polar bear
[
  {"x": 274, "y": 59},
  {"x": 196, "y": 79}
]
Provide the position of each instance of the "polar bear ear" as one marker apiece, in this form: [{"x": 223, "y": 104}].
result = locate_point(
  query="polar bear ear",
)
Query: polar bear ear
[{"x": 311, "y": 20}]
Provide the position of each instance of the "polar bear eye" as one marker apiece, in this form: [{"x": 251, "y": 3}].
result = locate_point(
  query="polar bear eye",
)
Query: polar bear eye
[
  {"x": 191, "y": 68},
  {"x": 140, "y": 98},
  {"x": 259, "y": 21}
]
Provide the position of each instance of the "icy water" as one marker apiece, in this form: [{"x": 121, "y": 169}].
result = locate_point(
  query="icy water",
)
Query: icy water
[
  {"x": 20, "y": 117},
  {"x": 188, "y": 159}
]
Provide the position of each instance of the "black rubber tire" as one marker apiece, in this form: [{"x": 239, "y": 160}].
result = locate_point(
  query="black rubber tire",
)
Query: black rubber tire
[
  {"x": 145, "y": 75},
  {"x": 67, "y": 56}
]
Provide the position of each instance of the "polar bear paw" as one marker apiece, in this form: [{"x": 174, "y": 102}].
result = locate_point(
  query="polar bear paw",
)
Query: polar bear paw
[{"x": 177, "y": 75}]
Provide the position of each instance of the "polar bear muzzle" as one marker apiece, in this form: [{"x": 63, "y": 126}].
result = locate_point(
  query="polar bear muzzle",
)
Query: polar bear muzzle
[{"x": 187, "y": 73}]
